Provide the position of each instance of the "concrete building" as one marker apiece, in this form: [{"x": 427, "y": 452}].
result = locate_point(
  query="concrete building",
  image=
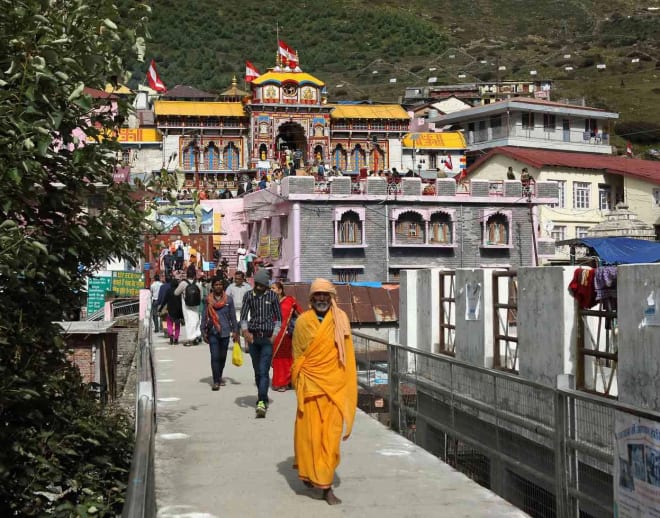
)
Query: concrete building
[
  {"x": 532, "y": 123},
  {"x": 589, "y": 187},
  {"x": 305, "y": 230}
]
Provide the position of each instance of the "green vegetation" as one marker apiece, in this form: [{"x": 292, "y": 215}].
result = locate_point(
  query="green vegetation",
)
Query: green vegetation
[
  {"x": 203, "y": 43},
  {"x": 62, "y": 454}
]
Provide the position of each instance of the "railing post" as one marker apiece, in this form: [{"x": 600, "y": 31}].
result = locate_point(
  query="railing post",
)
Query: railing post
[
  {"x": 393, "y": 382},
  {"x": 563, "y": 429}
]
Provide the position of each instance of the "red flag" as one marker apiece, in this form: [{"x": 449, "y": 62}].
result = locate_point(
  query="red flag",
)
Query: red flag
[
  {"x": 629, "y": 149},
  {"x": 154, "y": 80},
  {"x": 251, "y": 72},
  {"x": 288, "y": 53}
]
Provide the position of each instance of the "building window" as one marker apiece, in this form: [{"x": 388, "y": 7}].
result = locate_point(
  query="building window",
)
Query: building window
[
  {"x": 440, "y": 229},
  {"x": 125, "y": 156},
  {"x": 656, "y": 197},
  {"x": 409, "y": 229},
  {"x": 349, "y": 227},
  {"x": 561, "y": 194},
  {"x": 604, "y": 197},
  {"x": 496, "y": 230},
  {"x": 591, "y": 127},
  {"x": 528, "y": 120},
  {"x": 347, "y": 275},
  {"x": 581, "y": 232},
  {"x": 549, "y": 122},
  {"x": 581, "y": 195},
  {"x": 558, "y": 232}
]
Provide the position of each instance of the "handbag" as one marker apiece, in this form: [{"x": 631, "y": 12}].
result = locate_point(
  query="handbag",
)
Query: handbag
[{"x": 237, "y": 355}]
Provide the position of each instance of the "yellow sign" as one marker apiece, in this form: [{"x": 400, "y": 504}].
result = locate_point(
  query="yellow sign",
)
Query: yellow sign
[
  {"x": 264, "y": 246},
  {"x": 127, "y": 284},
  {"x": 139, "y": 135},
  {"x": 275, "y": 247},
  {"x": 443, "y": 140}
]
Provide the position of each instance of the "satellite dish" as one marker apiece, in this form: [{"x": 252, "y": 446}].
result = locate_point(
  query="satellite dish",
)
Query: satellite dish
[{"x": 549, "y": 226}]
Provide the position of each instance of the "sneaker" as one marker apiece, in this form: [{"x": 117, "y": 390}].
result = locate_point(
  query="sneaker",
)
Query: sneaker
[
  {"x": 171, "y": 340},
  {"x": 216, "y": 386},
  {"x": 261, "y": 409}
]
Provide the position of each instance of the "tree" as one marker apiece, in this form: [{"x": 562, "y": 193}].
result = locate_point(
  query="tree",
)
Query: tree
[{"x": 62, "y": 454}]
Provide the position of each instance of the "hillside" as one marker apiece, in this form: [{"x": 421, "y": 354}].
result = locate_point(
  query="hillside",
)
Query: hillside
[{"x": 358, "y": 49}]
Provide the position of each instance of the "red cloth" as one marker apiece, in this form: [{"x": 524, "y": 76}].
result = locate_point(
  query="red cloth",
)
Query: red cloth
[
  {"x": 582, "y": 287},
  {"x": 282, "y": 355}
]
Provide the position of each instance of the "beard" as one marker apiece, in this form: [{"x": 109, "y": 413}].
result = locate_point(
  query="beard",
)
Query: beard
[{"x": 321, "y": 306}]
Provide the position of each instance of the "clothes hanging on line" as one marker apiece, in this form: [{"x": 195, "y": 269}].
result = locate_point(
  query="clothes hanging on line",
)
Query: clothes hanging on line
[{"x": 582, "y": 288}]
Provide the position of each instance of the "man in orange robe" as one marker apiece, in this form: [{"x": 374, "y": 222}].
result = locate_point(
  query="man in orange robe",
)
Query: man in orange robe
[{"x": 325, "y": 379}]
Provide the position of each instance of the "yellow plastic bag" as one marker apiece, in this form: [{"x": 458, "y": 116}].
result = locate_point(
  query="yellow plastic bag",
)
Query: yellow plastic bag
[{"x": 237, "y": 355}]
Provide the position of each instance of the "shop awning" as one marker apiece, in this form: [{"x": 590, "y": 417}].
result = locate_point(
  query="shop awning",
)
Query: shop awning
[{"x": 619, "y": 250}]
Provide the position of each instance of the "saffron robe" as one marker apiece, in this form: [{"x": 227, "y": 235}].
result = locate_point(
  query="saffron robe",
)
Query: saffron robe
[{"x": 326, "y": 392}]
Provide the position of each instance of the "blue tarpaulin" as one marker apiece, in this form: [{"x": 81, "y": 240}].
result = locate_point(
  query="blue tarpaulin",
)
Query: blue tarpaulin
[{"x": 622, "y": 250}]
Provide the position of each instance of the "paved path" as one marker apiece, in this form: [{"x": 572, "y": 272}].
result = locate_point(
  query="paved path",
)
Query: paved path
[{"x": 214, "y": 459}]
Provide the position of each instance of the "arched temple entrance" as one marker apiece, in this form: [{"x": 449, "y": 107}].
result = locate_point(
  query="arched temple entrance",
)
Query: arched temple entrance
[{"x": 292, "y": 144}]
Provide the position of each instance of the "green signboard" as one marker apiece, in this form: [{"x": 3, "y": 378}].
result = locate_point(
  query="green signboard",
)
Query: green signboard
[{"x": 96, "y": 288}]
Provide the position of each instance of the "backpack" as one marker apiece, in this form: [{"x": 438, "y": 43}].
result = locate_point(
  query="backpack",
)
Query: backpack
[{"x": 192, "y": 296}]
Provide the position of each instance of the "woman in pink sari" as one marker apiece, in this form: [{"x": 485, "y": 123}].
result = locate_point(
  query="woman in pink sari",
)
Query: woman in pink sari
[{"x": 282, "y": 353}]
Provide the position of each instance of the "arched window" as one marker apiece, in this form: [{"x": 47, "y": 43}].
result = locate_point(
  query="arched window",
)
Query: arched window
[
  {"x": 496, "y": 230},
  {"x": 211, "y": 157},
  {"x": 339, "y": 157},
  {"x": 188, "y": 159},
  {"x": 409, "y": 229},
  {"x": 440, "y": 229},
  {"x": 231, "y": 157},
  {"x": 358, "y": 158},
  {"x": 349, "y": 231},
  {"x": 263, "y": 152}
]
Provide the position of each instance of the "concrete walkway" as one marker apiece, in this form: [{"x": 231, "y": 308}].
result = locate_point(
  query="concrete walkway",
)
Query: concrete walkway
[{"x": 214, "y": 459}]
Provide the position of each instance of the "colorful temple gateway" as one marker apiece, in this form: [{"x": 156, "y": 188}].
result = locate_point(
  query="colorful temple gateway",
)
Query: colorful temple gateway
[{"x": 284, "y": 121}]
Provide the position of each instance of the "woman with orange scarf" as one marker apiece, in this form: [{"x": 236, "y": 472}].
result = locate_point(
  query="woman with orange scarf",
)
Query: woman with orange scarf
[
  {"x": 218, "y": 325},
  {"x": 282, "y": 357},
  {"x": 325, "y": 378}
]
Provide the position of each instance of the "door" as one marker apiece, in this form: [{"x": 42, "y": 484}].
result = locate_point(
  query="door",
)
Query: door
[{"x": 566, "y": 125}]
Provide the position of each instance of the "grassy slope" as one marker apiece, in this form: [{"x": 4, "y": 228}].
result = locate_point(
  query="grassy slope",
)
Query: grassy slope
[{"x": 204, "y": 43}]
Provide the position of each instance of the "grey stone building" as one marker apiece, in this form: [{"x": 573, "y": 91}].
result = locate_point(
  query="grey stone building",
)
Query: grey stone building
[{"x": 371, "y": 230}]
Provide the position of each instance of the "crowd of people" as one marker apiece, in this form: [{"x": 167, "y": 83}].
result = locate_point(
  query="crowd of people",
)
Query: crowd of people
[{"x": 309, "y": 350}]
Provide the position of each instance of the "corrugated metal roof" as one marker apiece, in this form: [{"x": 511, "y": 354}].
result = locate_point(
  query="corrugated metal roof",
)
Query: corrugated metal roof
[
  {"x": 86, "y": 327},
  {"x": 284, "y": 77},
  {"x": 199, "y": 108},
  {"x": 645, "y": 169},
  {"x": 363, "y": 305},
  {"x": 443, "y": 140},
  {"x": 187, "y": 92},
  {"x": 369, "y": 111}
]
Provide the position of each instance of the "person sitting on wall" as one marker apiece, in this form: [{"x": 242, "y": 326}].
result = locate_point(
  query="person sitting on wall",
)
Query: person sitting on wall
[{"x": 510, "y": 175}]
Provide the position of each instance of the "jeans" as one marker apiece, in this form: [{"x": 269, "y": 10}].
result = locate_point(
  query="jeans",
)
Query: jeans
[
  {"x": 261, "y": 352},
  {"x": 218, "y": 346},
  {"x": 155, "y": 316}
]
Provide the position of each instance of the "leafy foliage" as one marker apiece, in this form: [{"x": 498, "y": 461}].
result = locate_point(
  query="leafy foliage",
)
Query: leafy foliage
[
  {"x": 204, "y": 43},
  {"x": 62, "y": 454},
  {"x": 638, "y": 132}
]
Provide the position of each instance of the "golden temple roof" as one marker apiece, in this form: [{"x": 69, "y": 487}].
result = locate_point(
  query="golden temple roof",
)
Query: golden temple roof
[
  {"x": 368, "y": 111},
  {"x": 283, "y": 77},
  {"x": 199, "y": 109},
  {"x": 443, "y": 140}
]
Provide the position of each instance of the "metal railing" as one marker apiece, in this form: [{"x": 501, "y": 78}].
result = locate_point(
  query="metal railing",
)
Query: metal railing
[
  {"x": 141, "y": 491},
  {"x": 550, "y": 451},
  {"x": 597, "y": 351},
  {"x": 120, "y": 308}
]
